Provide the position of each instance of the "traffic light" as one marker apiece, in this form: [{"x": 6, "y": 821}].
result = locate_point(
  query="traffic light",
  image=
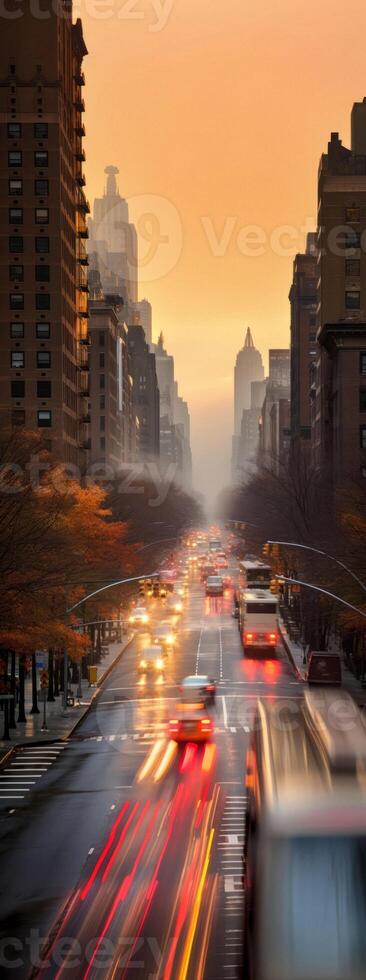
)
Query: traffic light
[
  {"x": 266, "y": 550},
  {"x": 142, "y": 586}
]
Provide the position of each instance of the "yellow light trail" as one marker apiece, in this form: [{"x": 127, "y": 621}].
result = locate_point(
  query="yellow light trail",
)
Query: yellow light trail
[
  {"x": 170, "y": 752},
  {"x": 149, "y": 763},
  {"x": 196, "y": 910}
]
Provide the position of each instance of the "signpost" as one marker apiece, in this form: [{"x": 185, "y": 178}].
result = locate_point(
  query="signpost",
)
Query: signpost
[
  {"x": 43, "y": 697},
  {"x": 6, "y": 698},
  {"x": 41, "y": 659}
]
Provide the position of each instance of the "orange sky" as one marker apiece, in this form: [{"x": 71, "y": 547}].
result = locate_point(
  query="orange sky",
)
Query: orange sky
[{"x": 216, "y": 112}]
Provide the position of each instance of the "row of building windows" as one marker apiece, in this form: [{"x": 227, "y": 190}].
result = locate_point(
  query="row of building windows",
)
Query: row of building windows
[
  {"x": 17, "y": 359},
  {"x": 40, "y": 130},
  {"x": 41, "y": 216},
  {"x": 44, "y": 389},
  {"x": 16, "y": 244},
  {"x": 43, "y": 330},
  {"x": 41, "y": 186},
  {"x": 44, "y": 418},
  {"x": 43, "y": 301},
  {"x": 15, "y": 158},
  {"x": 41, "y": 273}
]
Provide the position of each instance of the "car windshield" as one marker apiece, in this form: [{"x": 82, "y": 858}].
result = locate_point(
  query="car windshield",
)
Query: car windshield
[{"x": 316, "y": 928}]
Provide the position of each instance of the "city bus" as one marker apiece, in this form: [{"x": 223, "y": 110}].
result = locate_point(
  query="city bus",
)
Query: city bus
[
  {"x": 258, "y": 619},
  {"x": 305, "y": 840},
  {"x": 254, "y": 575}
]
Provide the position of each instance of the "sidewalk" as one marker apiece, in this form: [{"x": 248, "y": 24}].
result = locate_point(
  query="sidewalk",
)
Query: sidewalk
[
  {"x": 60, "y": 723},
  {"x": 295, "y": 653}
]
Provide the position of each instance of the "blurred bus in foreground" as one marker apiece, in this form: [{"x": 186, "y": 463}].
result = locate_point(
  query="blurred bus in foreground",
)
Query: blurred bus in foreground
[
  {"x": 254, "y": 575},
  {"x": 258, "y": 620},
  {"x": 305, "y": 842}
]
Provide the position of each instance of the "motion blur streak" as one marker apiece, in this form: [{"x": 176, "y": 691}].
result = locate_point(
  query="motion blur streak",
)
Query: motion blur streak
[
  {"x": 123, "y": 835},
  {"x": 126, "y": 884},
  {"x": 140, "y": 927},
  {"x": 196, "y": 909},
  {"x": 207, "y": 926},
  {"x": 151, "y": 759},
  {"x": 50, "y": 951},
  {"x": 104, "y": 853},
  {"x": 189, "y": 755},
  {"x": 170, "y": 752},
  {"x": 208, "y": 758},
  {"x": 201, "y": 807}
]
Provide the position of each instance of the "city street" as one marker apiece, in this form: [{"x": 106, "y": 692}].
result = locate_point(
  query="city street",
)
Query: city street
[{"x": 121, "y": 852}]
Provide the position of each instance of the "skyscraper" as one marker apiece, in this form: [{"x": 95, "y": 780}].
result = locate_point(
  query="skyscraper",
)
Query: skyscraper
[
  {"x": 248, "y": 368},
  {"x": 339, "y": 415},
  {"x": 303, "y": 300},
  {"x": 43, "y": 281},
  {"x": 145, "y": 393},
  {"x": 113, "y": 240},
  {"x": 143, "y": 314},
  {"x": 175, "y": 445}
]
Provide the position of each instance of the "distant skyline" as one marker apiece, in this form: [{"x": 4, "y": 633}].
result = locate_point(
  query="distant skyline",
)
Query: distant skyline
[{"x": 217, "y": 122}]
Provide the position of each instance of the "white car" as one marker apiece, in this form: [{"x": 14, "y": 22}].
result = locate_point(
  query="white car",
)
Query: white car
[
  {"x": 214, "y": 585},
  {"x": 139, "y": 616}
]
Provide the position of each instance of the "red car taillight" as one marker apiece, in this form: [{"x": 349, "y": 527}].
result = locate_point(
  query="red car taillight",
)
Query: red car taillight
[
  {"x": 206, "y": 724},
  {"x": 272, "y": 637},
  {"x": 174, "y": 726},
  {"x": 249, "y": 637}
]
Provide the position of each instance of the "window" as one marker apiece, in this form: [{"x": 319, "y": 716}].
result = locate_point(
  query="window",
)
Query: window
[
  {"x": 16, "y": 243},
  {"x": 43, "y": 330},
  {"x": 17, "y": 389},
  {"x": 353, "y": 267},
  {"x": 44, "y": 419},
  {"x": 42, "y": 273},
  {"x": 102, "y": 442},
  {"x": 17, "y": 330},
  {"x": 15, "y": 186},
  {"x": 41, "y": 158},
  {"x": 42, "y": 216},
  {"x": 16, "y": 216},
  {"x": 363, "y": 436},
  {"x": 102, "y": 381},
  {"x": 15, "y": 158},
  {"x": 14, "y": 130},
  {"x": 101, "y": 360},
  {"x": 17, "y": 358},
  {"x": 16, "y": 273},
  {"x": 353, "y": 214},
  {"x": 42, "y": 243},
  {"x": 43, "y": 359},
  {"x": 312, "y": 320},
  {"x": 18, "y": 417},
  {"x": 363, "y": 364},
  {"x": 102, "y": 423},
  {"x": 43, "y": 301},
  {"x": 44, "y": 389},
  {"x": 16, "y": 301},
  {"x": 101, "y": 338},
  {"x": 362, "y": 399},
  {"x": 102, "y": 402},
  {"x": 41, "y": 187},
  {"x": 40, "y": 130},
  {"x": 353, "y": 299},
  {"x": 352, "y": 239}
]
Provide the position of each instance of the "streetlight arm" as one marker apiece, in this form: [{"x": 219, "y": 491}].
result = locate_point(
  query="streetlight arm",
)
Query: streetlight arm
[
  {"x": 324, "y": 554},
  {"x": 316, "y": 588},
  {"x": 111, "y": 585}
]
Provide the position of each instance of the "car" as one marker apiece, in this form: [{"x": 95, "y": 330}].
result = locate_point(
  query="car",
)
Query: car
[
  {"x": 324, "y": 668},
  {"x": 198, "y": 684},
  {"x": 165, "y": 636},
  {"x": 214, "y": 585},
  {"x": 151, "y": 660},
  {"x": 221, "y": 561},
  {"x": 180, "y": 589},
  {"x": 190, "y": 723},
  {"x": 207, "y": 570},
  {"x": 139, "y": 616},
  {"x": 174, "y": 605}
]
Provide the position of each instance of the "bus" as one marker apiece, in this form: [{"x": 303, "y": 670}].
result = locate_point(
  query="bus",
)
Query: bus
[
  {"x": 254, "y": 575},
  {"x": 305, "y": 840},
  {"x": 215, "y": 544},
  {"x": 258, "y": 619}
]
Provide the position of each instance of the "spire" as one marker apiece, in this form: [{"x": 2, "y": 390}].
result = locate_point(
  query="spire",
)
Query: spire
[
  {"x": 248, "y": 338},
  {"x": 161, "y": 340},
  {"x": 111, "y": 181}
]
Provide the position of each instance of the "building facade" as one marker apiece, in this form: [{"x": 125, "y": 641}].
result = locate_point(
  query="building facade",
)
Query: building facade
[
  {"x": 113, "y": 243},
  {"x": 175, "y": 448},
  {"x": 339, "y": 390},
  {"x": 43, "y": 277},
  {"x": 303, "y": 302},
  {"x": 145, "y": 393},
  {"x": 248, "y": 368},
  {"x": 143, "y": 315}
]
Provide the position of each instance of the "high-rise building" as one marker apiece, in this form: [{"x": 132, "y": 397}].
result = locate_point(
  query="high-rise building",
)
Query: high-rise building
[
  {"x": 145, "y": 393},
  {"x": 303, "y": 300},
  {"x": 279, "y": 366},
  {"x": 113, "y": 243},
  {"x": 248, "y": 368},
  {"x": 249, "y": 434},
  {"x": 339, "y": 416},
  {"x": 175, "y": 445},
  {"x": 43, "y": 280},
  {"x": 143, "y": 315}
]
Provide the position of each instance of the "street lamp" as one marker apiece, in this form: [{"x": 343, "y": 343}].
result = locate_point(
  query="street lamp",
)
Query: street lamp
[
  {"x": 324, "y": 554},
  {"x": 316, "y": 588}
]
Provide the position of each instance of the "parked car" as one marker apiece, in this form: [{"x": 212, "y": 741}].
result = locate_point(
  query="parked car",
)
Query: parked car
[{"x": 324, "y": 668}]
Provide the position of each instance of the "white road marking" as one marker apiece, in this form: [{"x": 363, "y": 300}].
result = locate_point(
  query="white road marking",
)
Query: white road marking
[
  {"x": 221, "y": 660},
  {"x": 224, "y": 710},
  {"x": 91, "y": 850}
]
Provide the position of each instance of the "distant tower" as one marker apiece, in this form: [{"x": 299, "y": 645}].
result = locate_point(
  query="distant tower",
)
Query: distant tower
[{"x": 248, "y": 368}]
